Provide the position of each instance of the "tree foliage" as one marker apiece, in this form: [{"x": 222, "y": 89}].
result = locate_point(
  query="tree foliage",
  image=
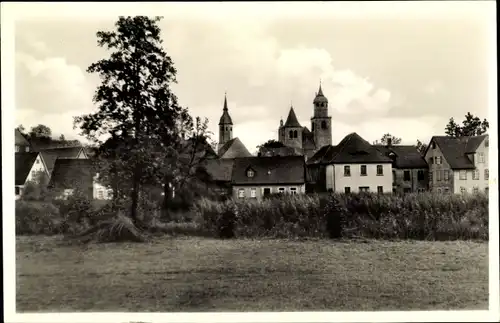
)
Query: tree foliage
[
  {"x": 471, "y": 126},
  {"x": 385, "y": 140},
  {"x": 421, "y": 147},
  {"x": 40, "y": 131}
]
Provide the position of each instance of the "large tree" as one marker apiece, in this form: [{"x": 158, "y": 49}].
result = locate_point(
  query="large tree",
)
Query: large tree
[
  {"x": 421, "y": 147},
  {"x": 136, "y": 106},
  {"x": 271, "y": 143},
  {"x": 40, "y": 131},
  {"x": 471, "y": 126}
]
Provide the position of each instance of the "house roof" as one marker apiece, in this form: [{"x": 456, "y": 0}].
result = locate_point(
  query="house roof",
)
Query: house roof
[
  {"x": 219, "y": 169},
  {"x": 455, "y": 149},
  {"x": 51, "y": 155},
  {"x": 234, "y": 148},
  {"x": 20, "y": 139},
  {"x": 351, "y": 150},
  {"x": 405, "y": 156},
  {"x": 291, "y": 120},
  {"x": 23, "y": 164},
  {"x": 73, "y": 173},
  {"x": 269, "y": 170}
]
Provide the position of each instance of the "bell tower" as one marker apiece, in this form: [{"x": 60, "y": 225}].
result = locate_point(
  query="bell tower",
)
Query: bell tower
[{"x": 321, "y": 122}]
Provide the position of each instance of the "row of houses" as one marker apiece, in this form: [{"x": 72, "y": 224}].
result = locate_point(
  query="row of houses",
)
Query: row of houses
[{"x": 449, "y": 165}]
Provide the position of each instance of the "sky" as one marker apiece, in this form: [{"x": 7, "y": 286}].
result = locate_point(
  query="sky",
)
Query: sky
[{"x": 404, "y": 71}]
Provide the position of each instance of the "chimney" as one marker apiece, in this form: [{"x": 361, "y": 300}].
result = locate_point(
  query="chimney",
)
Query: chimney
[{"x": 389, "y": 142}]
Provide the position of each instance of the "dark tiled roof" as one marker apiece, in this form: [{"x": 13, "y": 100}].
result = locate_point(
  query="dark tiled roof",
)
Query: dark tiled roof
[
  {"x": 455, "y": 149},
  {"x": 73, "y": 173},
  {"x": 405, "y": 156},
  {"x": 20, "y": 139},
  {"x": 291, "y": 120},
  {"x": 50, "y": 155},
  {"x": 234, "y": 148},
  {"x": 23, "y": 164},
  {"x": 320, "y": 97},
  {"x": 269, "y": 170},
  {"x": 351, "y": 150},
  {"x": 219, "y": 169}
]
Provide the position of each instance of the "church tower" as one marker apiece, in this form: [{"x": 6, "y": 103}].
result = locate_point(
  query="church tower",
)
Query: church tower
[
  {"x": 321, "y": 123},
  {"x": 291, "y": 131},
  {"x": 225, "y": 125}
]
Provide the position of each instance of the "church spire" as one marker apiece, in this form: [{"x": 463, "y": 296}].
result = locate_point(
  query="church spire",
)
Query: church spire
[
  {"x": 320, "y": 91},
  {"x": 225, "y": 119},
  {"x": 225, "y": 102}
]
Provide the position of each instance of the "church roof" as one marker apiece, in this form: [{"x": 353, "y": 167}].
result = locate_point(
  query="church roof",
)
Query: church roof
[
  {"x": 351, "y": 150},
  {"x": 225, "y": 118},
  {"x": 320, "y": 97},
  {"x": 292, "y": 121}
]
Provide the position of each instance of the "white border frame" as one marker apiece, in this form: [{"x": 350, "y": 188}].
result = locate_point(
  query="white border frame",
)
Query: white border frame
[{"x": 12, "y": 10}]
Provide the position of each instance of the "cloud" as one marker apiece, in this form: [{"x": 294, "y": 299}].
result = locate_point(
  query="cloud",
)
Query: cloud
[{"x": 433, "y": 87}]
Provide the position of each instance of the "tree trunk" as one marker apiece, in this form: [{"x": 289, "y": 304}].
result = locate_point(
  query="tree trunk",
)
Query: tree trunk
[
  {"x": 135, "y": 196},
  {"x": 166, "y": 199}
]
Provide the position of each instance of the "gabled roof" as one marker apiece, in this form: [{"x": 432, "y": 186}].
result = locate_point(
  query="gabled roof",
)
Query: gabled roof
[
  {"x": 219, "y": 169},
  {"x": 234, "y": 148},
  {"x": 20, "y": 139},
  {"x": 73, "y": 173},
  {"x": 23, "y": 164},
  {"x": 405, "y": 156},
  {"x": 455, "y": 149},
  {"x": 50, "y": 155},
  {"x": 351, "y": 150},
  {"x": 269, "y": 170},
  {"x": 291, "y": 120}
]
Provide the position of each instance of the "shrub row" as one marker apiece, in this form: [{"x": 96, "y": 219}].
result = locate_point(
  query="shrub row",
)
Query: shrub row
[{"x": 410, "y": 216}]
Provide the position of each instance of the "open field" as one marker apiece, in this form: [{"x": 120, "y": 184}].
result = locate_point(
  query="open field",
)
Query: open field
[{"x": 195, "y": 274}]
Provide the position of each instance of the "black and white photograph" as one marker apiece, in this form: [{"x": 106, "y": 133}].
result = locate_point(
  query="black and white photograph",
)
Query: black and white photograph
[{"x": 246, "y": 158}]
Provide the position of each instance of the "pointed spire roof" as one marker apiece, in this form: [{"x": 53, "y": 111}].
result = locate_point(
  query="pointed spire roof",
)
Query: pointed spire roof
[
  {"x": 292, "y": 121},
  {"x": 320, "y": 97},
  {"x": 225, "y": 119}
]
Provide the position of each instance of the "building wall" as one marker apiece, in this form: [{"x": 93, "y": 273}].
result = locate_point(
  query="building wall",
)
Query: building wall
[
  {"x": 442, "y": 185},
  {"x": 469, "y": 184},
  {"x": 82, "y": 155},
  {"x": 259, "y": 189},
  {"x": 322, "y": 137},
  {"x": 37, "y": 168},
  {"x": 293, "y": 142},
  {"x": 336, "y": 181},
  {"x": 225, "y": 134},
  {"x": 413, "y": 185}
]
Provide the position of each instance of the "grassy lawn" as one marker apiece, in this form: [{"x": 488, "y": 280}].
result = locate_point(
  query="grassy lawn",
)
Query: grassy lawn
[{"x": 195, "y": 274}]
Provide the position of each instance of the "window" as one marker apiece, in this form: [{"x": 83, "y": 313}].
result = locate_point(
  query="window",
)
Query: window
[
  {"x": 293, "y": 190},
  {"x": 475, "y": 190},
  {"x": 347, "y": 190},
  {"x": 446, "y": 175},
  {"x": 439, "y": 175},
  {"x": 290, "y": 134},
  {"x": 221, "y": 128},
  {"x": 37, "y": 161},
  {"x": 433, "y": 145},
  {"x": 439, "y": 160},
  {"x": 393, "y": 175},
  {"x": 463, "y": 175},
  {"x": 241, "y": 193},
  {"x": 406, "y": 175},
  {"x": 267, "y": 191},
  {"x": 323, "y": 124},
  {"x": 226, "y": 128},
  {"x": 431, "y": 160},
  {"x": 463, "y": 190},
  {"x": 431, "y": 176},
  {"x": 487, "y": 190},
  {"x": 420, "y": 175},
  {"x": 27, "y": 149},
  {"x": 475, "y": 174},
  {"x": 363, "y": 170},
  {"x": 380, "y": 170},
  {"x": 364, "y": 189},
  {"x": 100, "y": 194},
  {"x": 480, "y": 158},
  {"x": 18, "y": 190},
  {"x": 253, "y": 192},
  {"x": 230, "y": 128},
  {"x": 312, "y": 127},
  {"x": 347, "y": 170},
  {"x": 380, "y": 189},
  {"x": 295, "y": 134},
  {"x": 250, "y": 173},
  {"x": 17, "y": 149},
  {"x": 446, "y": 190},
  {"x": 281, "y": 190},
  {"x": 486, "y": 174}
]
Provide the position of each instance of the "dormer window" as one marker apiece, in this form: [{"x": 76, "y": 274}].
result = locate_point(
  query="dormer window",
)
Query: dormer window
[
  {"x": 433, "y": 145},
  {"x": 250, "y": 173}
]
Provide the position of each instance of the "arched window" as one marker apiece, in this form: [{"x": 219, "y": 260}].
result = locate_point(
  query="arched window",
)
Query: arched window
[
  {"x": 312, "y": 127},
  {"x": 291, "y": 134},
  {"x": 295, "y": 134},
  {"x": 323, "y": 124},
  {"x": 231, "y": 128}
]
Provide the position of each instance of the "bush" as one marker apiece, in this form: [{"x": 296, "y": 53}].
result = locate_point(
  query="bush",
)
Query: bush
[
  {"x": 411, "y": 216},
  {"x": 37, "y": 217}
]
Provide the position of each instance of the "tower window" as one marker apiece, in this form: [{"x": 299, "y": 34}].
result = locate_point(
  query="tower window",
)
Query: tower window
[
  {"x": 323, "y": 124},
  {"x": 312, "y": 127},
  {"x": 291, "y": 134}
]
